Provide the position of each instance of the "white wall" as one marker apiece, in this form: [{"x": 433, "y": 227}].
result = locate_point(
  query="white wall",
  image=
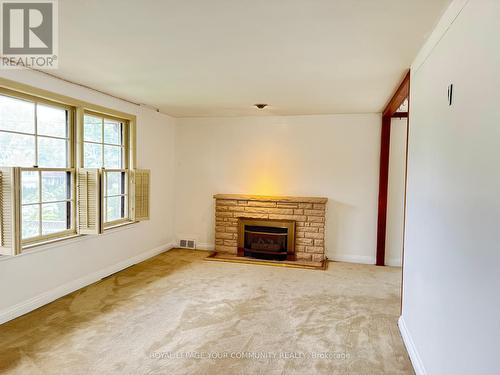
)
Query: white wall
[
  {"x": 333, "y": 156},
  {"x": 34, "y": 278},
  {"x": 396, "y": 193},
  {"x": 451, "y": 304}
]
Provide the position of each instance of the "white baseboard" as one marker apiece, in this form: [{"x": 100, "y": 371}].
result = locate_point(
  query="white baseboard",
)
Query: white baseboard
[
  {"x": 418, "y": 366},
  {"x": 205, "y": 246},
  {"x": 363, "y": 259},
  {"x": 336, "y": 257},
  {"x": 51, "y": 295},
  {"x": 393, "y": 262}
]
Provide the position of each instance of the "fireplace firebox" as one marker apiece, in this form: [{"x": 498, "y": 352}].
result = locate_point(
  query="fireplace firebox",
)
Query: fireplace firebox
[{"x": 266, "y": 239}]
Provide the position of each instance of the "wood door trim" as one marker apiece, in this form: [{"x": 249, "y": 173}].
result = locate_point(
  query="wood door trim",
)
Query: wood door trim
[{"x": 402, "y": 93}]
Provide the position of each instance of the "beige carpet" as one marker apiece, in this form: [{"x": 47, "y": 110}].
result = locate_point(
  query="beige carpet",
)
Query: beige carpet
[{"x": 256, "y": 319}]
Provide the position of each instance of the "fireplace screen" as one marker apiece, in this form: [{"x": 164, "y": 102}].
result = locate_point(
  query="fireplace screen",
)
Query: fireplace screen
[{"x": 266, "y": 239}]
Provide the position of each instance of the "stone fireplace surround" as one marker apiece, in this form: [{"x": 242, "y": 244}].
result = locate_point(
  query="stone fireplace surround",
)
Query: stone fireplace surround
[{"x": 309, "y": 214}]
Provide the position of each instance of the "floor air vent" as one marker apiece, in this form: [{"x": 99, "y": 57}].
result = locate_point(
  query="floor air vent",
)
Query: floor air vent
[{"x": 187, "y": 244}]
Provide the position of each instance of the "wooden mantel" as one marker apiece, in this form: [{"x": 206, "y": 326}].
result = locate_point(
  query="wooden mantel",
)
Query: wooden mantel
[{"x": 270, "y": 198}]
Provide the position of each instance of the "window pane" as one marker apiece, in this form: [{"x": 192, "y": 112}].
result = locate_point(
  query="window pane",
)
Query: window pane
[
  {"x": 92, "y": 157},
  {"x": 114, "y": 208},
  {"x": 30, "y": 186},
  {"x": 55, "y": 186},
  {"x": 92, "y": 128},
  {"x": 112, "y": 132},
  {"x": 112, "y": 157},
  {"x": 115, "y": 183},
  {"x": 17, "y": 115},
  {"x": 51, "y": 121},
  {"x": 52, "y": 153},
  {"x": 17, "y": 150},
  {"x": 31, "y": 221},
  {"x": 54, "y": 217}
]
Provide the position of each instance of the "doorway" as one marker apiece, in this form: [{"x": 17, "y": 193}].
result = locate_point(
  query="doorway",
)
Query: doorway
[
  {"x": 397, "y": 108},
  {"x": 396, "y": 192}
]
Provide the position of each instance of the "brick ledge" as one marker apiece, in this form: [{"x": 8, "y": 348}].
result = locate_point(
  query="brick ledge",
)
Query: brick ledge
[{"x": 269, "y": 198}]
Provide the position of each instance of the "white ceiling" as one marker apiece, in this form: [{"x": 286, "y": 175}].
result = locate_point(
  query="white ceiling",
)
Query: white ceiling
[{"x": 219, "y": 57}]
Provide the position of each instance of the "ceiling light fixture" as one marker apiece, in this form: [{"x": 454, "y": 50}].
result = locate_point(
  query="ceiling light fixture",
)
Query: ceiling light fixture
[{"x": 260, "y": 106}]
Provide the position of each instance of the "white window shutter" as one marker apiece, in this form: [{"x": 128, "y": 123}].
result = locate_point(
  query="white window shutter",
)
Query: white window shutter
[
  {"x": 140, "y": 194},
  {"x": 89, "y": 201},
  {"x": 10, "y": 212}
]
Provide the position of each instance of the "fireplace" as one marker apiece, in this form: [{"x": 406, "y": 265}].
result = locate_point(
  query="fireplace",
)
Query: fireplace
[
  {"x": 305, "y": 215},
  {"x": 266, "y": 239}
]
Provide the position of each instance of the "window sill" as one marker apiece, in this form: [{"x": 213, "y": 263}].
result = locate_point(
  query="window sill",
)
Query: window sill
[
  {"x": 67, "y": 240},
  {"x": 45, "y": 245},
  {"x": 117, "y": 227},
  {"x": 49, "y": 242}
]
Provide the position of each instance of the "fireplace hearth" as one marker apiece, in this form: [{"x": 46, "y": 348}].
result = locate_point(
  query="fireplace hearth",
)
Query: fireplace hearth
[{"x": 266, "y": 239}]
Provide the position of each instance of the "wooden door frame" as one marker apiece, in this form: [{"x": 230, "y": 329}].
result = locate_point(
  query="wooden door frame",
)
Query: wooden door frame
[{"x": 401, "y": 94}]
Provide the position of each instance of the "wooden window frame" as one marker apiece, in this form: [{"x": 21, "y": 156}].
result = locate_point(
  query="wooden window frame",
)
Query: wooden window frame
[
  {"x": 76, "y": 110},
  {"x": 70, "y": 160},
  {"x": 125, "y": 135},
  {"x": 127, "y": 216},
  {"x": 38, "y": 100},
  {"x": 127, "y": 158},
  {"x": 72, "y": 200}
]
